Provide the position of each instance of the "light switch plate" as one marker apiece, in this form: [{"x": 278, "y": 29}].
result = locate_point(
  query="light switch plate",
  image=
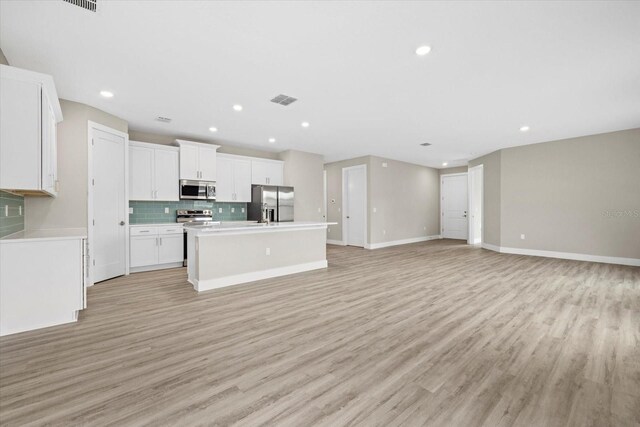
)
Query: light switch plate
[
  {"x": 166, "y": 210},
  {"x": 375, "y": 210},
  {"x": 522, "y": 236},
  {"x": 219, "y": 210},
  {"x": 130, "y": 210},
  {"x": 233, "y": 210}
]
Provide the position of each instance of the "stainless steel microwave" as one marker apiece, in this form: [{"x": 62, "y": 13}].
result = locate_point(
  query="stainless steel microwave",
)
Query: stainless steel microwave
[{"x": 197, "y": 190}]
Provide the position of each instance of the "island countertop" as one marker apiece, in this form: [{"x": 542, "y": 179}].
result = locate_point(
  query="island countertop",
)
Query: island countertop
[{"x": 251, "y": 227}]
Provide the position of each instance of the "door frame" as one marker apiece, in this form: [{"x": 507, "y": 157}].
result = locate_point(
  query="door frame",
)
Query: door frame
[
  {"x": 91, "y": 126},
  {"x": 345, "y": 226},
  {"x": 471, "y": 237},
  {"x": 441, "y": 197}
]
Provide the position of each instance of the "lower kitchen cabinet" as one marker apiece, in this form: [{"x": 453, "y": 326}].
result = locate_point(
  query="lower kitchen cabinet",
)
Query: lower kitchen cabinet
[{"x": 154, "y": 247}]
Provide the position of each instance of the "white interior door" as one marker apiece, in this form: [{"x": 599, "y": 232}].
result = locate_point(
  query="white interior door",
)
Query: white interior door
[
  {"x": 453, "y": 199},
  {"x": 475, "y": 204},
  {"x": 109, "y": 204},
  {"x": 355, "y": 206}
]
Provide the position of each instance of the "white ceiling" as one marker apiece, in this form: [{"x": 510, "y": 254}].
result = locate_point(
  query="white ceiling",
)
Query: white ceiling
[{"x": 563, "y": 68}]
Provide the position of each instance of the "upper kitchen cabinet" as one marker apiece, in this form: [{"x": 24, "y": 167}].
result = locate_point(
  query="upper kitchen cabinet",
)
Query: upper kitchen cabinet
[
  {"x": 154, "y": 172},
  {"x": 234, "y": 179},
  {"x": 267, "y": 172},
  {"x": 29, "y": 113},
  {"x": 197, "y": 160}
]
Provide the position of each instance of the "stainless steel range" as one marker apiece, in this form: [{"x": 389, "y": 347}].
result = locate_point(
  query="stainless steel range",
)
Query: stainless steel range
[{"x": 192, "y": 216}]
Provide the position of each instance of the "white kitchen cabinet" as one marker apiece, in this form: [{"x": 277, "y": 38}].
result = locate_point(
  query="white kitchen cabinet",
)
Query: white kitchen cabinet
[
  {"x": 29, "y": 112},
  {"x": 154, "y": 247},
  {"x": 153, "y": 172},
  {"x": 234, "y": 179},
  {"x": 267, "y": 172},
  {"x": 43, "y": 275},
  {"x": 197, "y": 160},
  {"x": 171, "y": 248}
]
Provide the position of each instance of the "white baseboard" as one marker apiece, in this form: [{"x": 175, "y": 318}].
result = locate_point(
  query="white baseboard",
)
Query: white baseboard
[
  {"x": 206, "y": 285},
  {"x": 155, "y": 267},
  {"x": 335, "y": 242},
  {"x": 564, "y": 255},
  {"x": 400, "y": 242}
]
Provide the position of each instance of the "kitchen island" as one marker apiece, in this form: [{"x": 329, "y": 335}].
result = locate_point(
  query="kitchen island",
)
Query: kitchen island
[{"x": 222, "y": 254}]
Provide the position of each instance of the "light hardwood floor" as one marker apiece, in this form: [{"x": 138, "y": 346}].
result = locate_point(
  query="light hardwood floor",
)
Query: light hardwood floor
[{"x": 434, "y": 333}]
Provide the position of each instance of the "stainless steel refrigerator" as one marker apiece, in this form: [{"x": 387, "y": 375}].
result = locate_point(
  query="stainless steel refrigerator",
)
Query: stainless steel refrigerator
[{"x": 276, "y": 200}]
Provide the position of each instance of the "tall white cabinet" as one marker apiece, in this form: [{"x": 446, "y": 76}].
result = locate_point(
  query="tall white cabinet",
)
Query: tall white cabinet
[
  {"x": 234, "y": 179},
  {"x": 197, "y": 160},
  {"x": 29, "y": 113},
  {"x": 154, "y": 172}
]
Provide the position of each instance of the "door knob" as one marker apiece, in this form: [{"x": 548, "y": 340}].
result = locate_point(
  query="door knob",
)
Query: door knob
[
  {"x": 121, "y": 222},
  {"x": 347, "y": 216}
]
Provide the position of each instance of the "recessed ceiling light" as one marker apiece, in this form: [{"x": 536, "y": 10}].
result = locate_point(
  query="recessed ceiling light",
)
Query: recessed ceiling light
[
  {"x": 272, "y": 140},
  {"x": 423, "y": 50},
  {"x": 237, "y": 107},
  {"x": 524, "y": 129},
  {"x": 445, "y": 164},
  {"x": 106, "y": 94},
  {"x": 305, "y": 124},
  {"x": 213, "y": 129}
]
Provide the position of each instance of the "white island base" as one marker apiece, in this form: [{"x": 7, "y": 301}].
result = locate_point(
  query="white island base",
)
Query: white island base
[{"x": 225, "y": 255}]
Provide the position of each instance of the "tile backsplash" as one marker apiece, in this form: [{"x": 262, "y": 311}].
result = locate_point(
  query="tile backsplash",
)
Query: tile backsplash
[
  {"x": 11, "y": 213},
  {"x": 154, "y": 212}
]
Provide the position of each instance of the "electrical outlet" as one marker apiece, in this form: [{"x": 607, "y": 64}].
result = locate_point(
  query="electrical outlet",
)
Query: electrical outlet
[
  {"x": 130, "y": 210},
  {"x": 267, "y": 251},
  {"x": 384, "y": 164},
  {"x": 19, "y": 210},
  {"x": 242, "y": 210},
  {"x": 375, "y": 210},
  {"x": 522, "y": 237},
  {"x": 319, "y": 210},
  {"x": 384, "y": 232},
  {"x": 424, "y": 228},
  {"x": 166, "y": 210},
  {"x": 219, "y": 210},
  {"x": 233, "y": 210}
]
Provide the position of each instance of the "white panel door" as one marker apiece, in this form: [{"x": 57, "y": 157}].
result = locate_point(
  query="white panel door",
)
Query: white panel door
[
  {"x": 224, "y": 184},
  {"x": 141, "y": 173},
  {"x": 171, "y": 248},
  {"x": 354, "y": 217},
  {"x": 166, "y": 175},
  {"x": 189, "y": 168},
  {"x": 109, "y": 229},
  {"x": 242, "y": 180},
  {"x": 207, "y": 163},
  {"x": 454, "y": 206},
  {"x": 144, "y": 251}
]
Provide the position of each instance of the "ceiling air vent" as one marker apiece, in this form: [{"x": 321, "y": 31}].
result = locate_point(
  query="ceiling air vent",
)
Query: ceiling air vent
[
  {"x": 425, "y": 144},
  {"x": 284, "y": 100},
  {"x": 91, "y": 5},
  {"x": 163, "y": 119}
]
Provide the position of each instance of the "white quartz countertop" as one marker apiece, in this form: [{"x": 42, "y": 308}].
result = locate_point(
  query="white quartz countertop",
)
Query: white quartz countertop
[
  {"x": 204, "y": 229},
  {"x": 156, "y": 224},
  {"x": 46, "y": 234}
]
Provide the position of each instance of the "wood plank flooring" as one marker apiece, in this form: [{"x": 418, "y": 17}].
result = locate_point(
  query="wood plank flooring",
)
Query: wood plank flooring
[{"x": 434, "y": 333}]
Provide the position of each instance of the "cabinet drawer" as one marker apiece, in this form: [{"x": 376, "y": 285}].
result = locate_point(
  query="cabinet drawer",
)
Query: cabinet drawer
[
  {"x": 170, "y": 229},
  {"x": 144, "y": 231}
]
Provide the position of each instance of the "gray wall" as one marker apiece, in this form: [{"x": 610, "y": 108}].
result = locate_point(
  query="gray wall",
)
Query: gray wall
[
  {"x": 227, "y": 149},
  {"x": 405, "y": 197},
  {"x": 3, "y": 59},
  {"x": 491, "y": 204},
  {"x": 304, "y": 171},
  {"x": 578, "y": 195},
  {"x": 558, "y": 194},
  {"x": 69, "y": 209},
  {"x": 457, "y": 169}
]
